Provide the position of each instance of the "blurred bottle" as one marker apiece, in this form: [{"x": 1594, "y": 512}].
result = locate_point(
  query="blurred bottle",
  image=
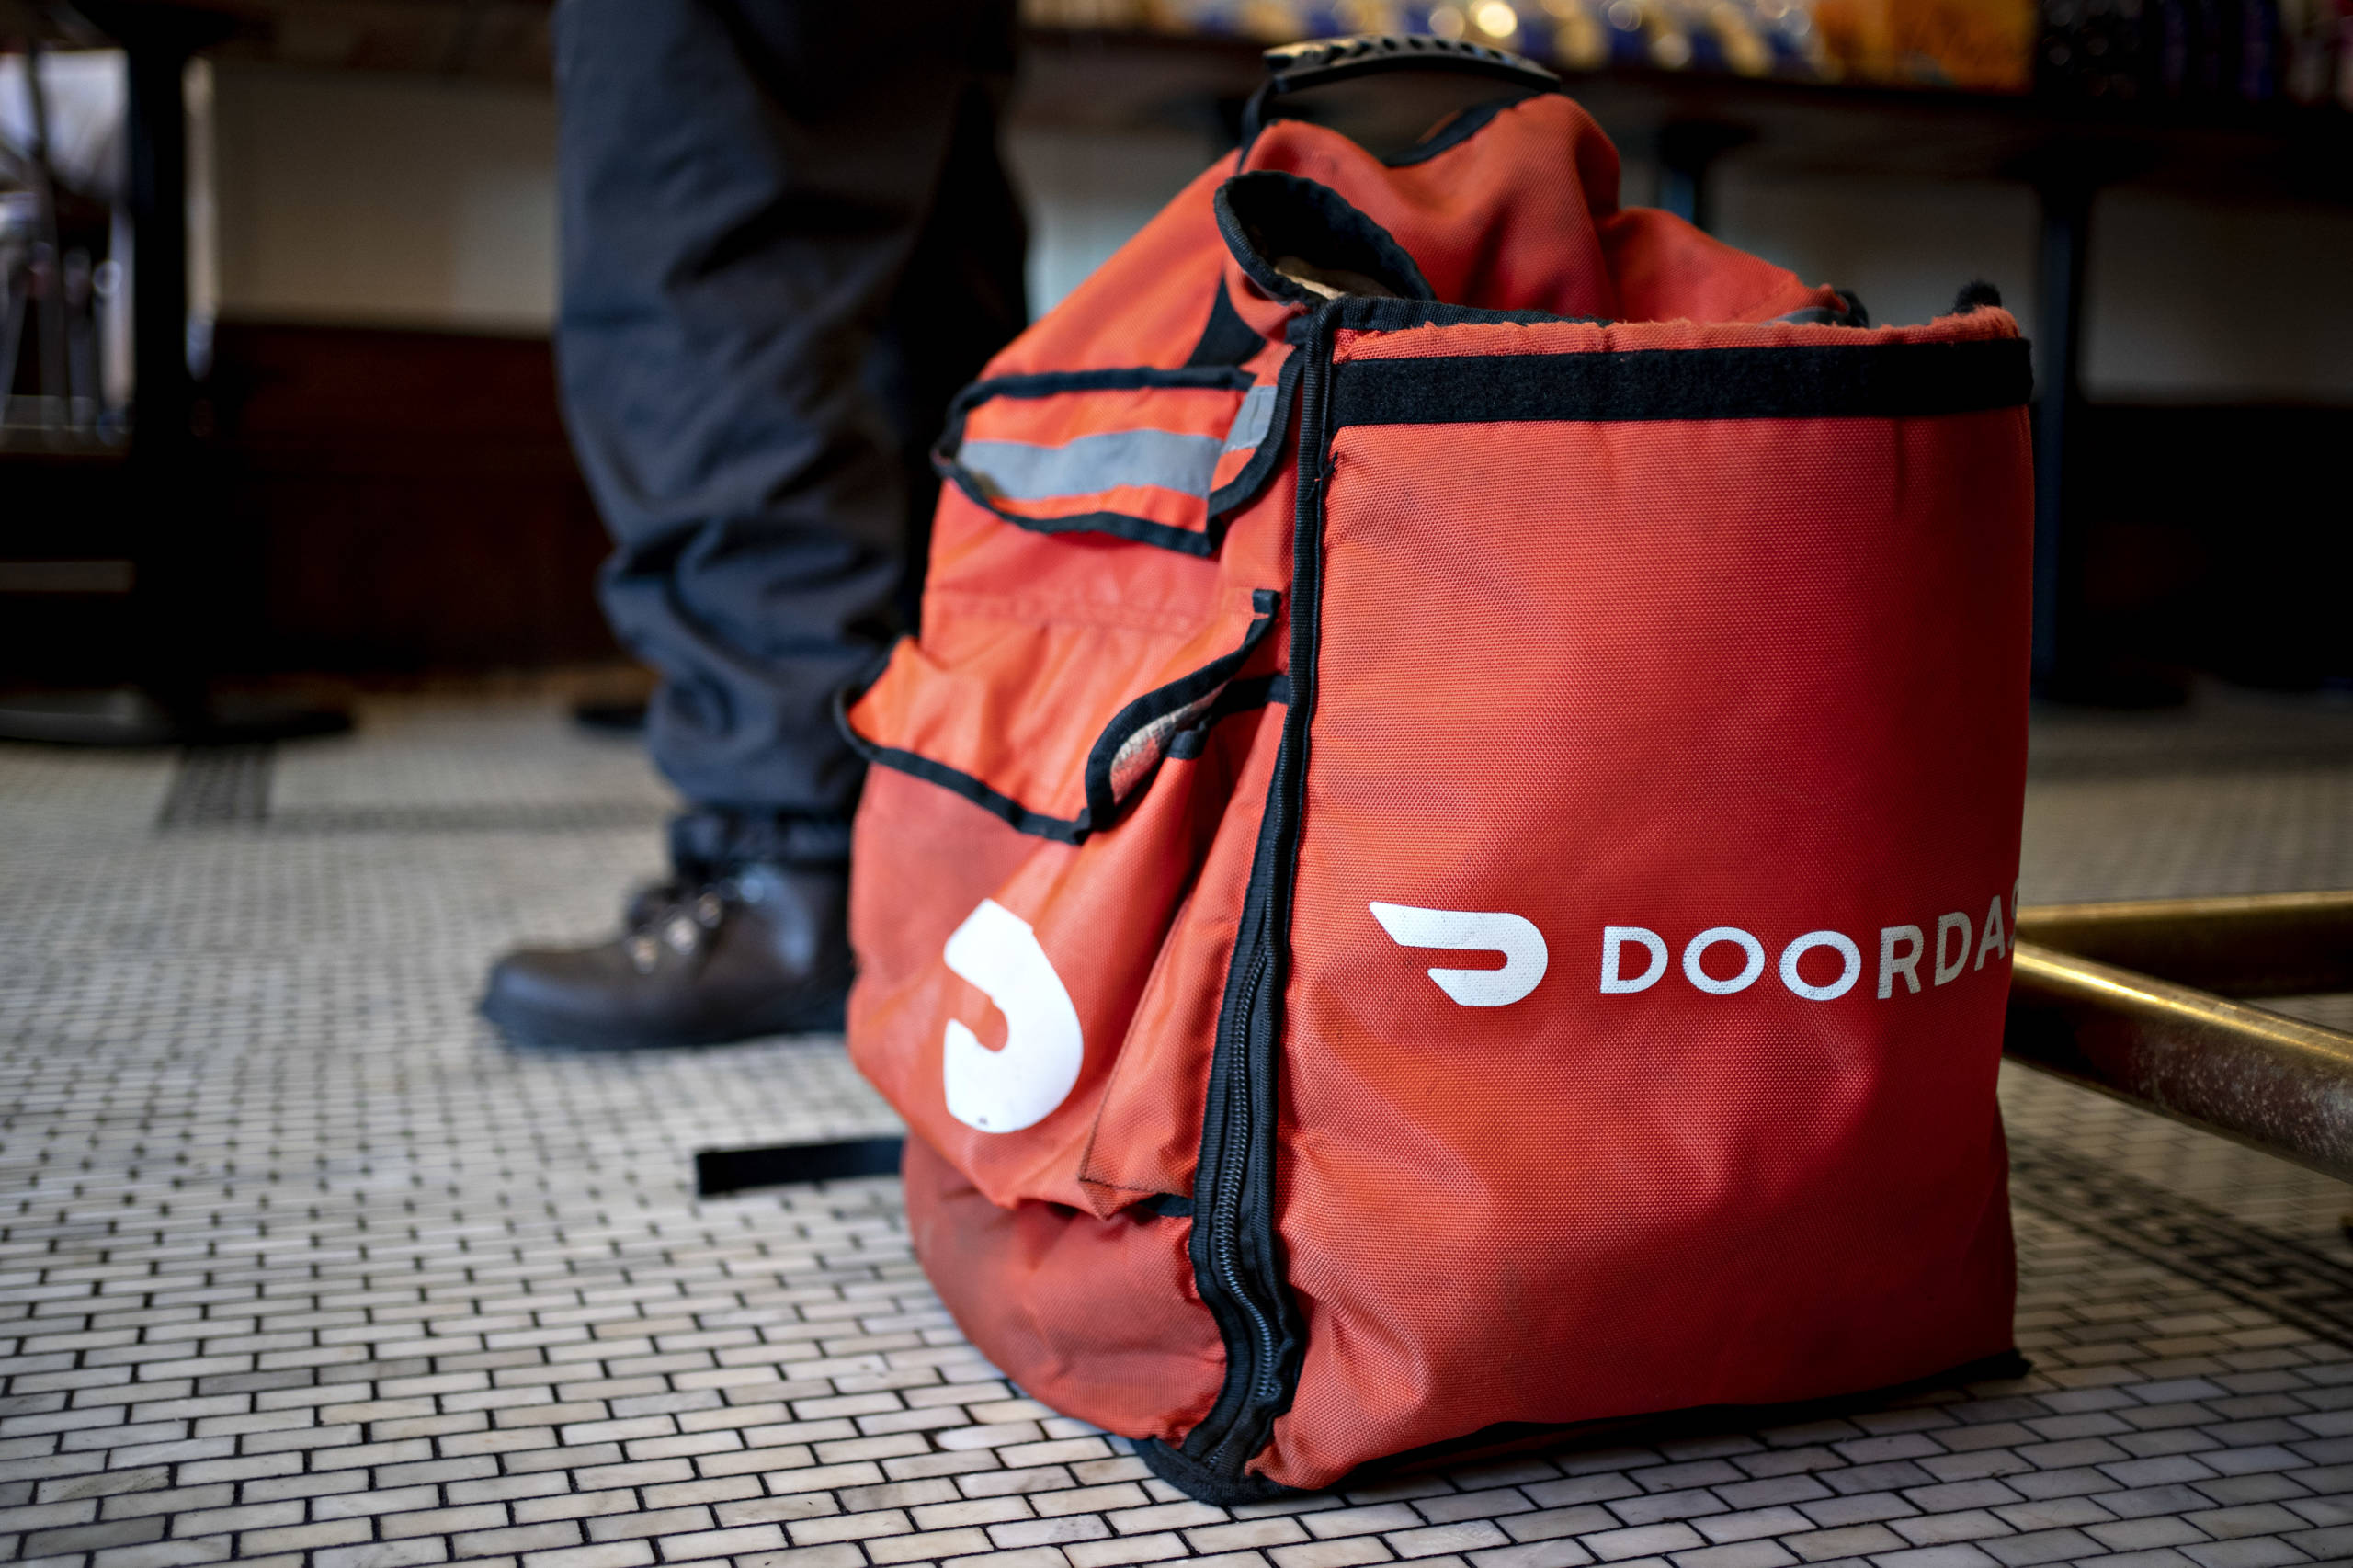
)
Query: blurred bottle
[
  {"x": 2308, "y": 30},
  {"x": 1367, "y": 17},
  {"x": 1651, "y": 33},
  {"x": 1736, "y": 34},
  {"x": 1580, "y": 39},
  {"x": 2101, "y": 48},
  {"x": 1274, "y": 21},
  {"x": 2258, "y": 78},
  {"x": 1984, "y": 45},
  {"x": 1105, "y": 16},
  {"x": 2345, "y": 54},
  {"x": 1498, "y": 25},
  {"x": 1787, "y": 27}
]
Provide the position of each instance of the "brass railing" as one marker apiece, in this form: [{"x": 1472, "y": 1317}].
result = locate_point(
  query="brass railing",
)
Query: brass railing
[{"x": 2136, "y": 999}]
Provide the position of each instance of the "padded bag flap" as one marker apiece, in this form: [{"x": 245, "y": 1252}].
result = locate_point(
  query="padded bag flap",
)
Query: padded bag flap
[
  {"x": 1050, "y": 720},
  {"x": 1158, "y": 456}
]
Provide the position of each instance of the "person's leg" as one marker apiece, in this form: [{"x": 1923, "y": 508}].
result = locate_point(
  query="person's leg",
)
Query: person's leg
[{"x": 786, "y": 241}]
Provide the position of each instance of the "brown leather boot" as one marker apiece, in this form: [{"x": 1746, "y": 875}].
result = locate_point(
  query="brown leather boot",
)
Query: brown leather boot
[{"x": 758, "y": 949}]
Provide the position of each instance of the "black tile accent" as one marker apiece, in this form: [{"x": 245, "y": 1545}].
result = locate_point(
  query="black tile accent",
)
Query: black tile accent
[
  {"x": 218, "y": 787},
  {"x": 2295, "y": 1283}
]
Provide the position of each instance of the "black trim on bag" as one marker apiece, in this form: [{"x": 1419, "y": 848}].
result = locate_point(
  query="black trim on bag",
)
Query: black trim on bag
[
  {"x": 1213, "y": 681},
  {"x": 1227, "y": 339},
  {"x": 1267, "y": 214},
  {"x": 1244, "y": 696},
  {"x": 1250, "y": 693},
  {"x": 1858, "y": 381},
  {"x": 1366, "y": 315},
  {"x": 1225, "y": 499},
  {"x": 1020, "y": 818},
  {"x": 1120, "y": 378}
]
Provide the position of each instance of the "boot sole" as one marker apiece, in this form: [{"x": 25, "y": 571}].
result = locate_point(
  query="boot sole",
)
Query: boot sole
[{"x": 824, "y": 1016}]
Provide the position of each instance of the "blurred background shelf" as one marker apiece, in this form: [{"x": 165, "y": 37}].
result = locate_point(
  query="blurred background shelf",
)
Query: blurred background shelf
[
  {"x": 370, "y": 454},
  {"x": 1112, "y": 82},
  {"x": 1078, "y": 75}
]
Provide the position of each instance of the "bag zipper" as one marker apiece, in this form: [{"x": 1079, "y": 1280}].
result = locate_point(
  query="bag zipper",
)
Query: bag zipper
[
  {"x": 1237, "y": 1253},
  {"x": 1232, "y": 1243},
  {"x": 1256, "y": 1373}
]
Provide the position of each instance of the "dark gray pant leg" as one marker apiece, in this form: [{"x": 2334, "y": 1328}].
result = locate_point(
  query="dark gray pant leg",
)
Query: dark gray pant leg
[{"x": 786, "y": 241}]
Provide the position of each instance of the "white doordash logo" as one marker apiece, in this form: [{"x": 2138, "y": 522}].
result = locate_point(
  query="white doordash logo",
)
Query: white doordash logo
[
  {"x": 1005, "y": 1091},
  {"x": 1721, "y": 961},
  {"x": 1461, "y": 930}
]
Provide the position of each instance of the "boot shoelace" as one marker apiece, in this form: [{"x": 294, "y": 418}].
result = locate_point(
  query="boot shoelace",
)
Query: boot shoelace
[{"x": 683, "y": 920}]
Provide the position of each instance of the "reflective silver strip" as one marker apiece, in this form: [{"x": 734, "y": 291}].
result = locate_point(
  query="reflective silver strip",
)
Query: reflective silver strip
[
  {"x": 1018, "y": 470},
  {"x": 1251, "y": 419},
  {"x": 1022, "y": 471}
]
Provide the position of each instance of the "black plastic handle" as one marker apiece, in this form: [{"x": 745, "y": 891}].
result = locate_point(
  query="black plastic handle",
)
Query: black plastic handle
[
  {"x": 1312, "y": 64},
  {"x": 1337, "y": 60},
  {"x": 1294, "y": 67}
]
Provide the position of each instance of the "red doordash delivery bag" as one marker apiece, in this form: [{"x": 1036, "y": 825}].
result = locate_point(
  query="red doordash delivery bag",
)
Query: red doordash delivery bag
[{"x": 1443, "y": 863}]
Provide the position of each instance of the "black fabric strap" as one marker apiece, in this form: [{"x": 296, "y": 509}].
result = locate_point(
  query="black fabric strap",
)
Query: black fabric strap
[{"x": 1865, "y": 381}]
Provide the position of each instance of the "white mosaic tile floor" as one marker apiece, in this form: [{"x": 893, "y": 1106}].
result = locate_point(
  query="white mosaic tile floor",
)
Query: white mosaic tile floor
[{"x": 297, "y": 1266}]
